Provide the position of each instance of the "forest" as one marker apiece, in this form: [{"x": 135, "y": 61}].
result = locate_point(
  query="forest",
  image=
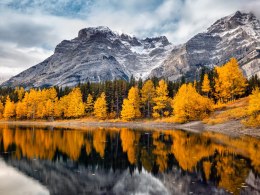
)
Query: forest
[{"x": 181, "y": 101}]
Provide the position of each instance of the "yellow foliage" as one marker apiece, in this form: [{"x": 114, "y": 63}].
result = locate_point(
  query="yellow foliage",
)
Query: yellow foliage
[
  {"x": 76, "y": 106},
  {"x": 131, "y": 106},
  {"x": 72, "y": 105},
  {"x": 161, "y": 99},
  {"x": 99, "y": 141},
  {"x": 9, "y": 110},
  {"x": 20, "y": 92},
  {"x": 230, "y": 81},
  {"x": 128, "y": 143},
  {"x": 189, "y": 105},
  {"x": 206, "y": 84},
  {"x": 254, "y": 109},
  {"x": 21, "y": 110},
  {"x": 207, "y": 169},
  {"x": 147, "y": 95},
  {"x": 254, "y": 102},
  {"x": 100, "y": 107},
  {"x": 89, "y": 105},
  {"x": 128, "y": 111},
  {"x": 227, "y": 115}
]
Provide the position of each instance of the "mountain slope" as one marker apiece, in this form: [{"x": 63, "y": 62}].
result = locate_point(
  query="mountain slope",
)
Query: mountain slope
[
  {"x": 232, "y": 36},
  {"x": 100, "y": 54},
  {"x": 97, "y": 54}
]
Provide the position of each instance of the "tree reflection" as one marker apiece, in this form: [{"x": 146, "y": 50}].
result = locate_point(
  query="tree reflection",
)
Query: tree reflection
[{"x": 221, "y": 159}]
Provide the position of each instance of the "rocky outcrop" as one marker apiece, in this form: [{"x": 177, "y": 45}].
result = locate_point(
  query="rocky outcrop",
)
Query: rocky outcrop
[{"x": 232, "y": 36}]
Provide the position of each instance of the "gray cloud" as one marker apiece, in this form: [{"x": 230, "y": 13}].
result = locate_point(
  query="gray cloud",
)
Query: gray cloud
[{"x": 26, "y": 34}]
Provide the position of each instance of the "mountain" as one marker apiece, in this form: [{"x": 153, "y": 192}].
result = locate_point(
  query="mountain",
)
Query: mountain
[
  {"x": 99, "y": 54},
  {"x": 236, "y": 36}
]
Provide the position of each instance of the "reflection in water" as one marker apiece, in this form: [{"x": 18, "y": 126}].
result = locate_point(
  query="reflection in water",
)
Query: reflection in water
[
  {"x": 14, "y": 182},
  {"x": 123, "y": 160}
]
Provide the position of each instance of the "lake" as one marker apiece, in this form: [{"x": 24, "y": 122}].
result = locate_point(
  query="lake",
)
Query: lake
[{"x": 45, "y": 160}]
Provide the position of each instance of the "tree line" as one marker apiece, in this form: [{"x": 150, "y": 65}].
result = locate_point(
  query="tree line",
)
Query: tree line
[{"x": 129, "y": 100}]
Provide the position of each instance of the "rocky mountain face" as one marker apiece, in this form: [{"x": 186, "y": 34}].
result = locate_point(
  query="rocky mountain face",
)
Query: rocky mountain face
[
  {"x": 100, "y": 54},
  {"x": 232, "y": 36},
  {"x": 97, "y": 54}
]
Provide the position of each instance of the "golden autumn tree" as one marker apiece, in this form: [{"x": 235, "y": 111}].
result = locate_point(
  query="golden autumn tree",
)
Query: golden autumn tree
[
  {"x": 50, "y": 100},
  {"x": 1, "y": 109},
  {"x": 230, "y": 81},
  {"x": 9, "y": 110},
  {"x": 40, "y": 107},
  {"x": 161, "y": 99},
  {"x": 206, "y": 85},
  {"x": 89, "y": 105},
  {"x": 254, "y": 109},
  {"x": 32, "y": 100},
  {"x": 147, "y": 95},
  {"x": 20, "y": 92},
  {"x": 189, "y": 105},
  {"x": 58, "y": 109},
  {"x": 100, "y": 107},
  {"x": 73, "y": 104},
  {"x": 131, "y": 106},
  {"x": 21, "y": 110},
  {"x": 128, "y": 111}
]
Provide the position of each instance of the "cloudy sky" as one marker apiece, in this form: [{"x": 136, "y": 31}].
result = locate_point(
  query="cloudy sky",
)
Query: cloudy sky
[{"x": 30, "y": 29}]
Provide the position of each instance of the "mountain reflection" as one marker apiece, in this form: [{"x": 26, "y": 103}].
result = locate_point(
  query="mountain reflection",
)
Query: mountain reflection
[{"x": 213, "y": 159}]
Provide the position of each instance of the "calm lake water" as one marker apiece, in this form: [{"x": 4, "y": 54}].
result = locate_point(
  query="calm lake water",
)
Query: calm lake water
[{"x": 126, "y": 161}]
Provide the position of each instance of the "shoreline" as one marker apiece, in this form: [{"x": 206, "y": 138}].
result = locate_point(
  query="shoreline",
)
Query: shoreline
[{"x": 232, "y": 128}]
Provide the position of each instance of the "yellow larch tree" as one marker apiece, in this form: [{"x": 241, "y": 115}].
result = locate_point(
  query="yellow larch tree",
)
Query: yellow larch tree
[
  {"x": 100, "y": 107},
  {"x": 9, "y": 110},
  {"x": 58, "y": 109},
  {"x": 206, "y": 85},
  {"x": 20, "y": 92},
  {"x": 254, "y": 109},
  {"x": 131, "y": 106},
  {"x": 32, "y": 102},
  {"x": 128, "y": 112},
  {"x": 147, "y": 95},
  {"x": 161, "y": 99},
  {"x": 21, "y": 110},
  {"x": 89, "y": 105},
  {"x": 230, "y": 81},
  {"x": 189, "y": 105},
  {"x": 74, "y": 104}
]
